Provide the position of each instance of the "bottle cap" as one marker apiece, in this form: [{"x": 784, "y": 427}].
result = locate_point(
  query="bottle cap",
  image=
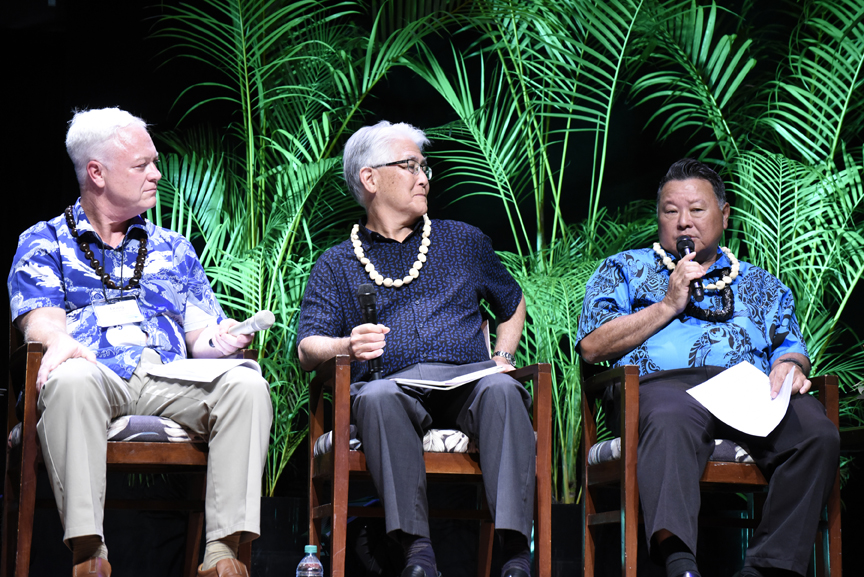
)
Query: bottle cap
[{"x": 311, "y": 549}]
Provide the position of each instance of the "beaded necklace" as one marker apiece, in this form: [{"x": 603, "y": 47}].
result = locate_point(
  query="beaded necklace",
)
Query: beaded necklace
[
  {"x": 413, "y": 272},
  {"x": 726, "y": 277},
  {"x": 96, "y": 266}
]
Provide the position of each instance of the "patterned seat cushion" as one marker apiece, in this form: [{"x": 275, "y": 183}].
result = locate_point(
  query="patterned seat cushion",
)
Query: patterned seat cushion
[
  {"x": 434, "y": 441},
  {"x": 148, "y": 429},
  {"x": 724, "y": 450},
  {"x": 133, "y": 428}
]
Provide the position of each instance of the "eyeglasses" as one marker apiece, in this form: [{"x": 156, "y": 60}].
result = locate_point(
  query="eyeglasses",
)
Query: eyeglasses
[{"x": 411, "y": 166}]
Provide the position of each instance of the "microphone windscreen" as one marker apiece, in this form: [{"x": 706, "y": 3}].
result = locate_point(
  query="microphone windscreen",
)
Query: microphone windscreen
[
  {"x": 367, "y": 294},
  {"x": 684, "y": 244},
  {"x": 263, "y": 320}
]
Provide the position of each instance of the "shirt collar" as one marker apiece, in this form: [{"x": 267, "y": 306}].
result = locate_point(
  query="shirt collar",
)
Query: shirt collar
[
  {"x": 371, "y": 236},
  {"x": 82, "y": 223}
]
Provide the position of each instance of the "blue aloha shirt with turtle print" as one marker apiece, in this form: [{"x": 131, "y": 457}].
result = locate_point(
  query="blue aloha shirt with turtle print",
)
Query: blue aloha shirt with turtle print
[
  {"x": 762, "y": 328},
  {"x": 174, "y": 296},
  {"x": 436, "y": 318}
]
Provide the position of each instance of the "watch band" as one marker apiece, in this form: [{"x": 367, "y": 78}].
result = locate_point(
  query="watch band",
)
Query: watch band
[
  {"x": 794, "y": 362},
  {"x": 506, "y": 356}
]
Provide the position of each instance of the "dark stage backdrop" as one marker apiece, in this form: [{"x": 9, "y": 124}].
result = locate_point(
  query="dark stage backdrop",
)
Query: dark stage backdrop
[{"x": 59, "y": 55}]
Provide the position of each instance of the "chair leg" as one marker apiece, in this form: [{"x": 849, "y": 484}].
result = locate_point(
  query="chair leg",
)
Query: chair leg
[
  {"x": 26, "y": 510},
  {"x": 245, "y": 556},
  {"x": 194, "y": 526},
  {"x": 484, "y": 554},
  {"x": 339, "y": 523},
  {"x": 588, "y": 544},
  {"x": 10, "y": 523},
  {"x": 834, "y": 556}
]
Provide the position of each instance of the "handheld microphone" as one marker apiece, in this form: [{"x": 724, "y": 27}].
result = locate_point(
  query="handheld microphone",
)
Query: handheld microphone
[
  {"x": 367, "y": 294},
  {"x": 260, "y": 321},
  {"x": 685, "y": 246}
]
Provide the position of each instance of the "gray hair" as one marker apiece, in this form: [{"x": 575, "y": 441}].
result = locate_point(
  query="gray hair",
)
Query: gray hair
[
  {"x": 370, "y": 146},
  {"x": 94, "y": 134}
]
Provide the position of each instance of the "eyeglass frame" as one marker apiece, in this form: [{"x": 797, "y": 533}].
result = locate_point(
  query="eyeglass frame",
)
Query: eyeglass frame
[{"x": 427, "y": 170}]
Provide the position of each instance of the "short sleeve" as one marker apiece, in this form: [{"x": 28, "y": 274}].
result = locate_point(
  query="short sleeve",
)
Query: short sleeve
[
  {"x": 35, "y": 279},
  {"x": 607, "y": 297},
  {"x": 320, "y": 312},
  {"x": 500, "y": 289},
  {"x": 784, "y": 332},
  {"x": 201, "y": 308}
]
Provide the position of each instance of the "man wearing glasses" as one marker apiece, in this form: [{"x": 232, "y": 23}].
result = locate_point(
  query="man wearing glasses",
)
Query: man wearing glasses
[{"x": 431, "y": 276}]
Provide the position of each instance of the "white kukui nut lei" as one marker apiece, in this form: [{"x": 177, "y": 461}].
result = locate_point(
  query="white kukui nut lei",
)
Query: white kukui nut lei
[
  {"x": 720, "y": 284},
  {"x": 413, "y": 272}
]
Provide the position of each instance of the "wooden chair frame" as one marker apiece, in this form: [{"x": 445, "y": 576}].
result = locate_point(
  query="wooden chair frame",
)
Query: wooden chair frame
[
  {"x": 338, "y": 466},
  {"x": 737, "y": 477},
  {"x": 22, "y": 464}
]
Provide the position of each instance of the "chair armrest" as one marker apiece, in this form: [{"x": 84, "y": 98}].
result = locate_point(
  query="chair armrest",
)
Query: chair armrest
[
  {"x": 335, "y": 375},
  {"x": 598, "y": 383},
  {"x": 540, "y": 375},
  {"x": 828, "y": 389}
]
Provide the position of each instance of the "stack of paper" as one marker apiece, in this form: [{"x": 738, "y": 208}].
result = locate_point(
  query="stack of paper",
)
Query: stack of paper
[
  {"x": 741, "y": 397},
  {"x": 452, "y": 383}
]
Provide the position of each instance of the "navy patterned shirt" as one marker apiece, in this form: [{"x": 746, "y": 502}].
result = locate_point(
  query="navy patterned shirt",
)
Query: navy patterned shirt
[
  {"x": 435, "y": 318},
  {"x": 762, "y": 328}
]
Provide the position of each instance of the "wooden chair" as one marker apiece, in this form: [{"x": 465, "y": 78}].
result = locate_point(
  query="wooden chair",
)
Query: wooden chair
[
  {"x": 733, "y": 476},
  {"x": 337, "y": 467},
  {"x": 138, "y": 457}
]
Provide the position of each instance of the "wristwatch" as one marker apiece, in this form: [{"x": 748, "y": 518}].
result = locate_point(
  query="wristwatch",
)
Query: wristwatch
[{"x": 506, "y": 356}]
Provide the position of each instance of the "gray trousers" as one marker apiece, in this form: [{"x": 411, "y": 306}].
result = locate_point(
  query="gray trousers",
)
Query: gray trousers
[
  {"x": 676, "y": 439},
  {"x": 233, "y": 412},
  {"x": 392, "y": 419}
]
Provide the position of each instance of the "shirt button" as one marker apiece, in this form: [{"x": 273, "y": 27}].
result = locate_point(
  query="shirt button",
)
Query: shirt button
[{"x": 417, "y": 302}]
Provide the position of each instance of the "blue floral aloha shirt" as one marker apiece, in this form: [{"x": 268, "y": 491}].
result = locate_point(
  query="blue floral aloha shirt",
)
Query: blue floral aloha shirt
[
  {"x": 434, "y": 318},
  {"x": 763, "y": 326},
  {"x": 50, "y": 270}
]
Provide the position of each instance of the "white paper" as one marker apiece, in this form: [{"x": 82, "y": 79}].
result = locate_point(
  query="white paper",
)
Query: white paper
[
  {"x": 741, "y": 397},
  {"x": 198, "y": 370},
  {"x": 452, "y": 383}
]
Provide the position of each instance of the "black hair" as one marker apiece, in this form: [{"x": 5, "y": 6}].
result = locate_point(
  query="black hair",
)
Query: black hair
[{"x": 688, "y": 168}]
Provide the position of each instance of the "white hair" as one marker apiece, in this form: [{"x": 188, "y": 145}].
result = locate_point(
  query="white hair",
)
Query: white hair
[
  {"x": 370, "y": 146},
  {"x": 95, "y": 134}
]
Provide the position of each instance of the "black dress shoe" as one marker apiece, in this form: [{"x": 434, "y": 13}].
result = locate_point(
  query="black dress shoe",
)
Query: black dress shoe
[
  {"x": 413, "y": 571},
  {"x": 516, "y": 572}
]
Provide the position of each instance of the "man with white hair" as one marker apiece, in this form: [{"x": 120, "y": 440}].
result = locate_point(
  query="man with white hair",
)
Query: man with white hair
[
  {"x": 114, "y": 300},
  {"x": 430, "y": 321}
]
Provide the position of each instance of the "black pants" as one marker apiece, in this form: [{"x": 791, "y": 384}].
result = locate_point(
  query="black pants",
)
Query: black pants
[
  {"x": 676, "y": 438},
  {"x": 391, "y": 421}
]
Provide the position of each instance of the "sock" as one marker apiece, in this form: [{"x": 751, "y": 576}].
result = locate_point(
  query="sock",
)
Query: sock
[
  {"x": 678, "y": 563},
  {"x": 218, "y": 549},
  {"x": 418, "y": 551},
  {"x": 87, "y": 547},
  {"x": 516, "y": 553}
]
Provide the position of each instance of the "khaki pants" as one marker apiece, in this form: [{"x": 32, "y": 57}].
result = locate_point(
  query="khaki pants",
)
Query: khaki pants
[{"x": 233, "y": 413}]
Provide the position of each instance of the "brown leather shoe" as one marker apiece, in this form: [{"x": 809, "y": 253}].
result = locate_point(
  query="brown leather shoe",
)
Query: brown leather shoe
[
  {"x": 93, "y": 567},
  {"x": 224, "y": 568}
]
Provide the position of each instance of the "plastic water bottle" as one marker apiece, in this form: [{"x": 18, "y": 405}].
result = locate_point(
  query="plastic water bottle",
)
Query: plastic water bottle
[{"x": 310, "y": 566}]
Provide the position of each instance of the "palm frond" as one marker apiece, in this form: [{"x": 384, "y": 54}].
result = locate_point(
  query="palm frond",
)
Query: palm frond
[
  {"x": 699, "y": 77},
  {"x": 815, "y": 102}
]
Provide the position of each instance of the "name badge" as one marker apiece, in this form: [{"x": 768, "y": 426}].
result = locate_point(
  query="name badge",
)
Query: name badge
[{"x": 117, "y": 312}]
